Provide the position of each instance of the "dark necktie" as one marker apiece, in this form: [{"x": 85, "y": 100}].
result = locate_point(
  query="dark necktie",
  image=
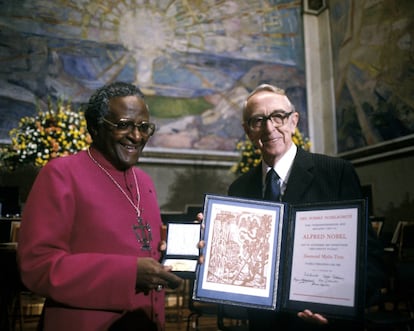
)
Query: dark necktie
[{"x": 272, "y": 191}]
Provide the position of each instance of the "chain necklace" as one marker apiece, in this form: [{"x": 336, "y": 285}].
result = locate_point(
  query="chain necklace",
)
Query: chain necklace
[{"x": 142, "y": 229}]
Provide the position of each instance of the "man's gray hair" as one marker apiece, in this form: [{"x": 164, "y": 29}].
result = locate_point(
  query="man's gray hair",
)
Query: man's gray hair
[{"x": 268, "y": 88}]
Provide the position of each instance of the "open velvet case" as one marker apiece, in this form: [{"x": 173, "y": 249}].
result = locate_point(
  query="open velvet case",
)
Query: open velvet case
[{"x": 182, "y": 248}]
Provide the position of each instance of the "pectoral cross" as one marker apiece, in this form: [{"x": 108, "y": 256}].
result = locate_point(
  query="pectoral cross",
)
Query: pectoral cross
[{"x": 143, "y": 233}]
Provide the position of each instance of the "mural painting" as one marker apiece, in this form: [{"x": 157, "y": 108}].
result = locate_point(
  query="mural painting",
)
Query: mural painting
[
  {"x": 373, "y": 56},
  {"x": 195, "y": 60}
]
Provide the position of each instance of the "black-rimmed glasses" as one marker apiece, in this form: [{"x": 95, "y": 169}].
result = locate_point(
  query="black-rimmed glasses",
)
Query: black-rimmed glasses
[
  {"x": 278, "y": 118},
  {"x": 126, "y": 126}
]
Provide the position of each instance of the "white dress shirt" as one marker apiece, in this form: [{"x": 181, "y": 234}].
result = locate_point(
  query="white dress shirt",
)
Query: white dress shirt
[{"x": 282, "y": 168}]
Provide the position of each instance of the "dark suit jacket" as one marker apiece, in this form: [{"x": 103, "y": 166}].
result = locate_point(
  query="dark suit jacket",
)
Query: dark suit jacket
[{"x": 313, "y": 178}]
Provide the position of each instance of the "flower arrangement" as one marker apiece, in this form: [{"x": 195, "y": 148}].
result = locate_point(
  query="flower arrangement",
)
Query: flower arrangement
[
  {"x": 47, "y": 135},
  {"x": 251, "y": 156}
]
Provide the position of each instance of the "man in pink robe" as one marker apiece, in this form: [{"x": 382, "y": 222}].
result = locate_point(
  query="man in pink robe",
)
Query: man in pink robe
[{"x": 90, "y": 234}]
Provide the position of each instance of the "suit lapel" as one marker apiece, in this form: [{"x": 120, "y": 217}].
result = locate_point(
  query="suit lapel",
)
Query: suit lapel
[
  {"x": 255, "y": 186},
  {"x": 300, "y": 177}
]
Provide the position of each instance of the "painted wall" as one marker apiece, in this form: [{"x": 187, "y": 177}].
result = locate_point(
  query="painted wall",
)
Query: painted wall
[
  {"x": 183, "y": 180},
  {"x": 372, "y": 49},
  {"x": 383, "y": 165},
  {"x": 195, "y": 60}
]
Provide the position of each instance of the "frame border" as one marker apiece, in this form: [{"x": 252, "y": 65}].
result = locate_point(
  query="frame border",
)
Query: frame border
[{"x": 264, "y": 297}]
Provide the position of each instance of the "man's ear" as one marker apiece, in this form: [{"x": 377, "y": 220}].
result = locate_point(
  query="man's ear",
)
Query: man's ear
[
  {"x": 246, "y": 129},
  {"x": 93, "y": 132},
  {"x": 294, "y": 120}
]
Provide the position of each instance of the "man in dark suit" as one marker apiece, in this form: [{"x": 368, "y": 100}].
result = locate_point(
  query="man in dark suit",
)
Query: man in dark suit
[{"x": 270, "y": 120}]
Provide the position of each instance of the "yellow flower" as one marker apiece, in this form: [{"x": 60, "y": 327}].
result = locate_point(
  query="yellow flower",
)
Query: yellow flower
[
  {"x": 251, "y": 156},
  {"x": 59, "y": 131}
]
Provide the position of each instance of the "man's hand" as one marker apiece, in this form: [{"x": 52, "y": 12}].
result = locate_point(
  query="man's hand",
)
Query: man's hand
[
  {"x": 310, "y": 317},
  {"x": 151, "y": 275},
  {"x": 162, "y": 247},
  {"x": 199, "y": 219}
]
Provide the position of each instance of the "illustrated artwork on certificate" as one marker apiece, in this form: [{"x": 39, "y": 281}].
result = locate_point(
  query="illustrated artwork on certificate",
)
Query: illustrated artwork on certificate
[{"x": 239, "y": 253}]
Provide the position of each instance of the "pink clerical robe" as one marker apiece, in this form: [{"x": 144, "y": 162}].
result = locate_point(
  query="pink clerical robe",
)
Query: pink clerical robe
[{"x": 77, "y": 245}]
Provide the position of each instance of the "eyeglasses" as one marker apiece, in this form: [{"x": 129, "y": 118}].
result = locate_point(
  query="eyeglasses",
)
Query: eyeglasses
[
  {"x": 278, "y": 118},
  {"x": 126, "y": 126}
]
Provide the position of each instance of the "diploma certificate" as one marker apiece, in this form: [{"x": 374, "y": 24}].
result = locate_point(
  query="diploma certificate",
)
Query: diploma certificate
[
  {"x": 324, "y": 256},
  {"x": 275, "y": 256}
]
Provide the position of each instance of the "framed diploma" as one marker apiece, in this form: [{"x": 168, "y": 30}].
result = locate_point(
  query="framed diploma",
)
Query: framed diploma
[
  {"x": 242, "y": 252},
  {"x": 282, "y": 257},
  {"x": 326, "y": 255},
  {"x": 182, "y": 248}
]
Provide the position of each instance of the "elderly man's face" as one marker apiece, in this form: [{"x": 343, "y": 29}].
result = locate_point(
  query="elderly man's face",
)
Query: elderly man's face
[
  {"x": 273, "y": 139},
  {"x": 123, "y": 147}
]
